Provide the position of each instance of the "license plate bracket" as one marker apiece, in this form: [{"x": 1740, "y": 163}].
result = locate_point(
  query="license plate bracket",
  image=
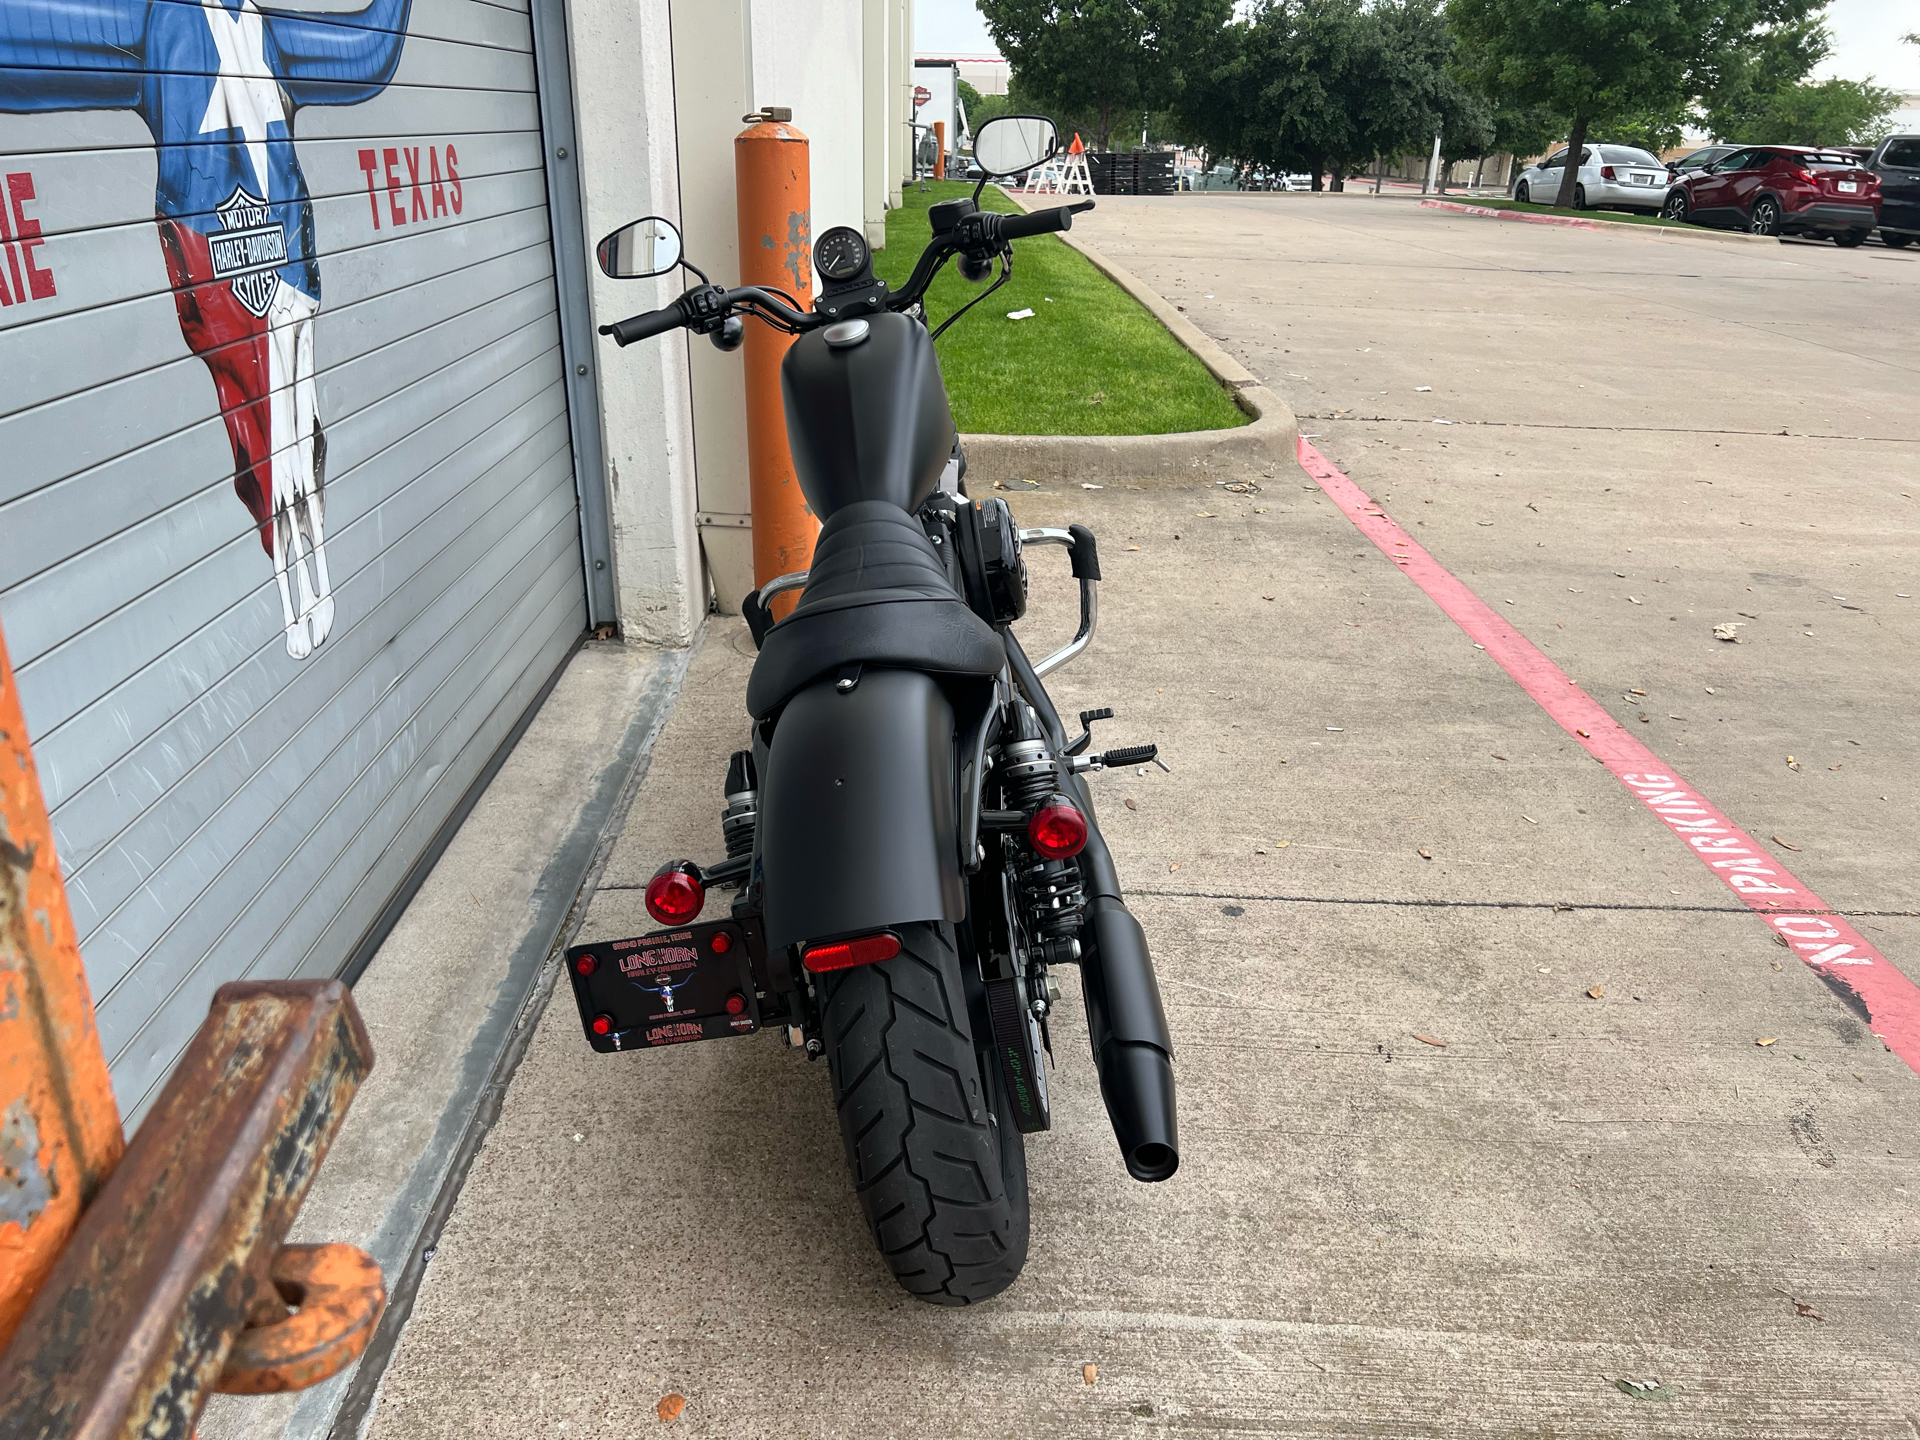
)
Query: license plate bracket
[{"x": 695, "y": 982}]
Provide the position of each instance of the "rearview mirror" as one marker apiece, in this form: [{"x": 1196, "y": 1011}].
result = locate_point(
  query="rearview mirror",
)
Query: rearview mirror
[
  {"x": 1009, "y": 144},
  {"x": 641, "y": 250}
]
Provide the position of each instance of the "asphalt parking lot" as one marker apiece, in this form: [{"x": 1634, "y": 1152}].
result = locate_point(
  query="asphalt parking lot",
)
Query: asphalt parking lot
[{"x": 1475, "y": 1122}]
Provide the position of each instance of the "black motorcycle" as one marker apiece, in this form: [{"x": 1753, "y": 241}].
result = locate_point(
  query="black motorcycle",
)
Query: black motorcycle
[{"x": 909, "y": 832}]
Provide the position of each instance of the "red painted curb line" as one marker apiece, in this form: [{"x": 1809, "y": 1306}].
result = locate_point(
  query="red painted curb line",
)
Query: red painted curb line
[
  {"x": 1493, "y": 214},
  {"x": 1857, "y": 971}
]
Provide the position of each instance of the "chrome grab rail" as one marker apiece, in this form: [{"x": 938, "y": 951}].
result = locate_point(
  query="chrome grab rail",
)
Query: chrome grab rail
[
  {"x": 780, "y": 584},
  {"x": 1089, "y": 601}
]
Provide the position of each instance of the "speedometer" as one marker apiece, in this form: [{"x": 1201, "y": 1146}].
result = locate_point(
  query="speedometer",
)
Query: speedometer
[{"x": 841, "y": 254}]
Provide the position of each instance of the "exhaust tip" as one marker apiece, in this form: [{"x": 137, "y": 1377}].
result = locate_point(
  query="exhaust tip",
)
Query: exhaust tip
[{"x": 1153, "y": 1162}]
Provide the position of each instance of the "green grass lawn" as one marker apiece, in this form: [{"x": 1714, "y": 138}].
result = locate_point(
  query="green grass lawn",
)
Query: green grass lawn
[
  {"x": 1621, "y": 217},
  {"x": 1090, "y": 361}
]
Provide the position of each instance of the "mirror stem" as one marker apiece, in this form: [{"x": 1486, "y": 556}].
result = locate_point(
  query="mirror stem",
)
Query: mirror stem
[{"x": 688, "y": 264}]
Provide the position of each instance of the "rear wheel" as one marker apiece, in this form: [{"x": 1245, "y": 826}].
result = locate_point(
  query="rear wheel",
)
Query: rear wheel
[
  {"x": 942, "y": 1181},
  {"x": 1579, "y": 197},
  {"x": 1764, "y": 218},
  {"x": 1676, "y": 206},
  {"x": 1898, "y": 242},
  {"x": 1847, "y": 239}
]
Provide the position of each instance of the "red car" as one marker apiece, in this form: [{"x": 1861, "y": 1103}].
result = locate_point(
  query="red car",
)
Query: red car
[{"x": 1781, "y": 190}]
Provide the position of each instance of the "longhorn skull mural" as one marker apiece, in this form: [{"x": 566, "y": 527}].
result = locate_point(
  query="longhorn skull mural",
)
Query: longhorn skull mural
[{"x": 218, "y": 82}]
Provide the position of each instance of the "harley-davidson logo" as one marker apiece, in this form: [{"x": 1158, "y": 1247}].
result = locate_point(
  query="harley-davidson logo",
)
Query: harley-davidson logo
[{"x": 247, "y": 251}]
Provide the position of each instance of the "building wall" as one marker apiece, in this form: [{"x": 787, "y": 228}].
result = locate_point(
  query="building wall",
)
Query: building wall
[{"x": 289, "y": 528}]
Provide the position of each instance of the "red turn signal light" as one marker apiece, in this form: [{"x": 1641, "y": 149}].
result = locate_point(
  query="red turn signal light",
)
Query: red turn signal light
[
  {"x": 1057, "y": 830},
  {"x": 676, "y": 893},
  {"x": 586, "y": 965},
  {"x": 603, "y": 1024},
  {"x": 845, "y": 954},
  {"x": 736, "y": 1004}
]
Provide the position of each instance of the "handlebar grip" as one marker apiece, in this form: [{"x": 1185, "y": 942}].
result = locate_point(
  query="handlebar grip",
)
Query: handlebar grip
[
  {"x": 1040, "y": 222},
  {"x": 643, "y": 327},
  {"x": 1085, "y": 556}
]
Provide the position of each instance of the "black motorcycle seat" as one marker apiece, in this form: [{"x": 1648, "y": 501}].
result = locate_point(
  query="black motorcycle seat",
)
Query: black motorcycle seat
[{"x": 876, "y": 594}]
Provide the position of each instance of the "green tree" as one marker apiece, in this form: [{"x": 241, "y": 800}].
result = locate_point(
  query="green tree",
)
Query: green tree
[
  {"x": 1596, "y": 62},
  {"x": 1833, "y": 112},
  {"x": 1104, "y": 61}
]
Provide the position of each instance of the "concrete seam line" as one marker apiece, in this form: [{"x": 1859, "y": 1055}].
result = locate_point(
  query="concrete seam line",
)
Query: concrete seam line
[
  {"x": 1670, "y": 232},
  {"x": 1263, "y": 443},
  {"x": 344, "y": 1406},
  {"x": 1870, "y": 984},
  {"x": 1564, "y": 905}
]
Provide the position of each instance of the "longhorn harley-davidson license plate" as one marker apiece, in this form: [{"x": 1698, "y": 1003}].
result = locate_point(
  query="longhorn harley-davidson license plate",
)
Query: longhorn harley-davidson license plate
[{"x": 667, "y": 988}]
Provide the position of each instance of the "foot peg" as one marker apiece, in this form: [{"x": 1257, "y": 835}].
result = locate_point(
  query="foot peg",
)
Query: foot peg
[{"x": 1120, "y": 758}]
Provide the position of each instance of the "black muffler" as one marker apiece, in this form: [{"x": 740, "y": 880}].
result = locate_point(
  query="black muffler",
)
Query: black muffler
[{"x": 1132, "y": 1048}]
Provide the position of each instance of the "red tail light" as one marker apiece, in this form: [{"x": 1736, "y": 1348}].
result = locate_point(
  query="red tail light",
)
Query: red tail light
[
  {"x": 1804, "y": 176},
  {"x": 1057, "y": 830},
  {"x": 676, "y": 893},
  {"x": 603, "y": 1024},
  {"x": 845, "y": 954},
  {"x": 1606, "y": 172}
]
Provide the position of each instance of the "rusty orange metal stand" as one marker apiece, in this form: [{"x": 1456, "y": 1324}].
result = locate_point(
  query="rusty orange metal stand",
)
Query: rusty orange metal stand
[
  {"x": 59, "y": 1127},
  {"x": 774, "y": 188},
  {"x": 137, "y": 1279},
  {"x": 939, "y": 149}
]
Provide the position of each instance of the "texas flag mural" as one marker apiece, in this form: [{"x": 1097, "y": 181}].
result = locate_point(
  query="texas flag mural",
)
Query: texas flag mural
[{"x": 217, "y": 83}]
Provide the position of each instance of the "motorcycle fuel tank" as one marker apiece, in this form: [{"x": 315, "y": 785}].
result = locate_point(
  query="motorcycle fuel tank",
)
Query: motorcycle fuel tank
[{"x": 867, "y": 415}]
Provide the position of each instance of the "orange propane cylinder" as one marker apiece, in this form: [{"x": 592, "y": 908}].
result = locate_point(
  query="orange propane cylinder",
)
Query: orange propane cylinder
[{"x": 774, "y": 185}]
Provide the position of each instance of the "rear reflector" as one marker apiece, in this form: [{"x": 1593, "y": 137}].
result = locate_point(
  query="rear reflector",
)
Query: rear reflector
[{"x": 845, "y": 954}]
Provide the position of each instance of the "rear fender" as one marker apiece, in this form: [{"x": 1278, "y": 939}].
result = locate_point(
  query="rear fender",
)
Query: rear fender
[{"x": 858, "y": 827}]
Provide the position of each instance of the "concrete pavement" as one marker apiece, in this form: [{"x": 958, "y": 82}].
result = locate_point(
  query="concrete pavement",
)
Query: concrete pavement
[{"x": 1371, "y": 1234}]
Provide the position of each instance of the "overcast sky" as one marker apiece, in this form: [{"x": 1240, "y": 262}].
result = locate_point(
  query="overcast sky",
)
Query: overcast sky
[{"x": 1866, "y": 37}]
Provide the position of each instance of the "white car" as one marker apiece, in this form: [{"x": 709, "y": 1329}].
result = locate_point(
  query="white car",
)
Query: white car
[{"x": 1621, "y": 176}]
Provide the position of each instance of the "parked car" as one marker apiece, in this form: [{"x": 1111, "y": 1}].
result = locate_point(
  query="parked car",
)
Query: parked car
[
  {"x": 1620, "y": 176},
  {"x": 1699, "y": 159},
  {"x": 1897, "y": 163},
  {"x": 1781, "y": 190}
]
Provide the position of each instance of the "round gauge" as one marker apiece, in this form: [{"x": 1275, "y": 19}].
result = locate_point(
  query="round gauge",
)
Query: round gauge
[{"x": 841, "y": 254}]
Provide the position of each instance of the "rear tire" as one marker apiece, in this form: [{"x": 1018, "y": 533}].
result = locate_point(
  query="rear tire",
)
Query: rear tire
[
  {"x": 1898, "y": 242},
  {"x": 1764, "y": 218},
  {"x": 1579, "y": 197},
  {"x": 1847, "y": 239},
  {"x": 943, "y": 1185}
]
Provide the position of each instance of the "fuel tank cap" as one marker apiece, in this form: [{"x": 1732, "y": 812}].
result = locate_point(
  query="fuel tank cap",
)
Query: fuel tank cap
[{"x": 846, "y": 334}]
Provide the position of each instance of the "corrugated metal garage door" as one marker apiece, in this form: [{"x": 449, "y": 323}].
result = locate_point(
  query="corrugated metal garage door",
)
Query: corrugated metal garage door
[{"x": 249, "y": 257}]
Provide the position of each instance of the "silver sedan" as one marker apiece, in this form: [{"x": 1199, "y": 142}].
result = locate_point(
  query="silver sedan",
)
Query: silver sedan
[{"x": 1611, "y": 176}]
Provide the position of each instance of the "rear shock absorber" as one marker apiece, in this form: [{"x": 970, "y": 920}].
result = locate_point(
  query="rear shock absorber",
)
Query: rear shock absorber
[
  {"x": 1050, "y": 896},
  {"x": 737, "y": 821}
]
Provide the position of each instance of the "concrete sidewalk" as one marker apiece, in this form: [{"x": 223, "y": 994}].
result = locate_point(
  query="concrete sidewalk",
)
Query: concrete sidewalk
[{"x": 1371, "y": 1233}]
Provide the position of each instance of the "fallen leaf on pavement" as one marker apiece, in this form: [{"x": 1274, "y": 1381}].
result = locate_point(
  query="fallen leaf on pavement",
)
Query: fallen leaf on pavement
[
  {"x": 1266, "y": 597},
  {"x": 1792, "y": 764},
  {"x": 1801, "y": 1307},
  {"x": 670, "y": 1406},
  {"x": 1595, "y": 992},
  {"x": 1767, "y": 1040},
  {"x": 1090, "y": 1373},
  {"x": 1784, "y": 846},
  {"x": 1173, "y": 867},
  {"x": 1425, "y": 854},
  {"x": 1130, "y": 805},
  {"x": 1281, "y": 844},
  {"x": 1729, "y": 631},
  {"x": 1133, "y": 547},
  {"x": 1781, "y": 941},
  {"x": 1646, "y": 1389},
  {"x": 1429, "y": 1040}
]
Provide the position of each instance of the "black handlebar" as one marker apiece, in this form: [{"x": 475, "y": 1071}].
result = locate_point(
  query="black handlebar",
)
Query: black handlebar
[
  {"x": 704, "y": 306},
  {"x": 645, "y": 327},
  {"x": 1041, "y": 222}
]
